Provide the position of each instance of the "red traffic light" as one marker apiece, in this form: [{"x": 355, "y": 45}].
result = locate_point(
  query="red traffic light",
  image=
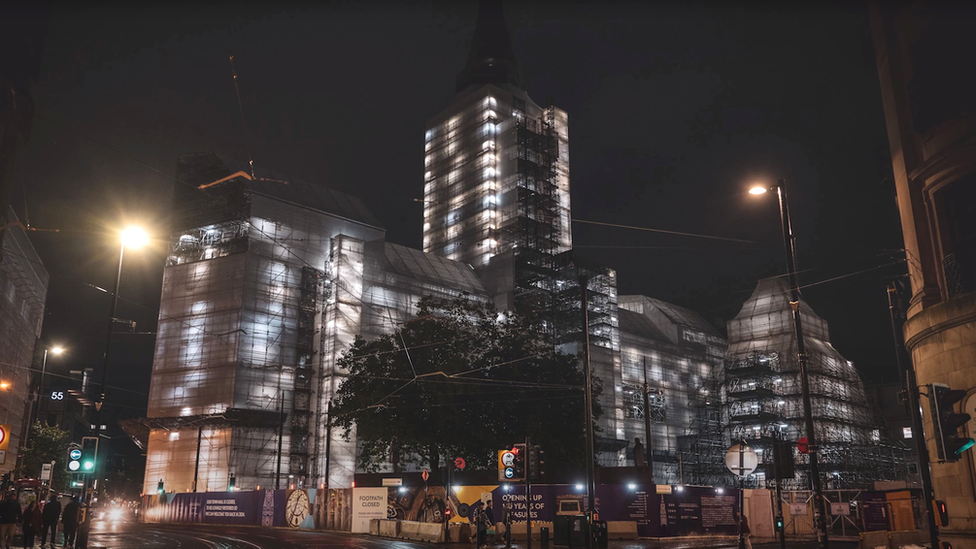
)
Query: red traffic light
[
  {"x": 515, "y": 450},
  {"x": 801, "y": 445}
]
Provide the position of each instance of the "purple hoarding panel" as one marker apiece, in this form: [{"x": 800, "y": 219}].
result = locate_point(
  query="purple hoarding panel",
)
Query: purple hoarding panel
[
  {"x": 874, "y": 511},
  {"x": 214, "y": 508}
]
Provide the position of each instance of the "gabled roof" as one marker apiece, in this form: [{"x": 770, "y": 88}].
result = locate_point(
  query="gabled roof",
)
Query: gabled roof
[
  {"x": 432, "y": 268},
  {"x": 639, "y": 325},
  {"x": 675, "y": 314}
]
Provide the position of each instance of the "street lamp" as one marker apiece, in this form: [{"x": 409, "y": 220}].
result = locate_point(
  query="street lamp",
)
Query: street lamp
[
  {"x": 789, "y": 243},
  {"x": 130, "y": 237},
  {"x": 56, "y": 350}
]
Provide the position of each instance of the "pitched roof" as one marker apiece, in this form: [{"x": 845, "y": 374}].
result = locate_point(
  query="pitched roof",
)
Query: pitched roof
[
  {"x": 432, "y": 268},
  {"x": 639, "y": 325}
]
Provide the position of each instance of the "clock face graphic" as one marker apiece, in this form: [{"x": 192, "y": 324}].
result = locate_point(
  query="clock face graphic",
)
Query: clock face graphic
[{"x": 297, "y": 508}]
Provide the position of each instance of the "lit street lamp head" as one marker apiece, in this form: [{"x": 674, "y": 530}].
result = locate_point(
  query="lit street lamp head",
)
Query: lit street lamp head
[
  {"x": 57, "y": 350},
  {"x": 134, "y": 237},
  {"x": 758, "y": 190}
]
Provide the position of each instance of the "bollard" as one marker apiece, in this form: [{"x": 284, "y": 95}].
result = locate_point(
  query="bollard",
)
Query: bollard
[{"x": 544, "y": 537}]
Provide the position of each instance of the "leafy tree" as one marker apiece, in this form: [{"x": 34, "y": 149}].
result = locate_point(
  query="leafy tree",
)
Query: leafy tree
[
  {"x": 47, "y": 443},
  {"x": 460, "y": 379}
]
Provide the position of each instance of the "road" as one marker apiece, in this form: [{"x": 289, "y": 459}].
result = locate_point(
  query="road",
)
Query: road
[{"x": 127, "y": 535}]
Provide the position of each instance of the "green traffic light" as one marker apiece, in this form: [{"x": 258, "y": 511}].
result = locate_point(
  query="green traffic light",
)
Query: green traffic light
[
  {"x": 89, "y": 465},
  {"x": 965, "y": 446}
]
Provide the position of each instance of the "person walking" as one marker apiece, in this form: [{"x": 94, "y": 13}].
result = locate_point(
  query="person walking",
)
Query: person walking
[
  {"x": 489, "y": 515},
  {"x": 31, "y": 523},
  {"x": 10, "y": 515},
  {"x": 481, "y": 527},
  {"x": 746, "y": 532},
  {"x": 507, "y": 521},
  {"x": 50, "y": 516},
  {"x": 70, "y": 521}
]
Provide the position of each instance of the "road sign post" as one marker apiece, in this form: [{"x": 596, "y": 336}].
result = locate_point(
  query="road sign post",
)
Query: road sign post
[{"x": 741, "y": 460}]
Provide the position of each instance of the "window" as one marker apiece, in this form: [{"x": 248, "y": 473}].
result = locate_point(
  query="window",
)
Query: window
[{"x": 906, "y": 432}]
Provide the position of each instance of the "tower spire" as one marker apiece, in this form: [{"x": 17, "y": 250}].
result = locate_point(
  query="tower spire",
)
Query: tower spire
[{"x": 491, "y": 59}]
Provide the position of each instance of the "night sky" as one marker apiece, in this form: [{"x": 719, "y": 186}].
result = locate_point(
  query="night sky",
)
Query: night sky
[{"x": 674, "y": 111}]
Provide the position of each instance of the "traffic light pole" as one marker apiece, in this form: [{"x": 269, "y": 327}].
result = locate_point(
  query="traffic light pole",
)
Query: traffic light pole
[
  {"x": 528, "y": 493},
  {"x": 588, "y": 416},
  {"x": 778, "y": 464},
  {"x": 648, "y": 447},
  {"x": 918, "y": 433}
]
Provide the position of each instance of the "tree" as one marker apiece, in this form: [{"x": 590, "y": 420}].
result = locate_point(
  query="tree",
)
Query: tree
[
  {"x": 47, "y": 443},
  {"x": 461, "y": 379}
]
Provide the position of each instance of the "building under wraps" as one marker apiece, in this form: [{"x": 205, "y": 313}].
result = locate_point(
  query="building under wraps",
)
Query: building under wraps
[
  {"x": 270, "y": 279},
  {"x": 761, "y": 391},
  {"x": 23, "y": 292}
]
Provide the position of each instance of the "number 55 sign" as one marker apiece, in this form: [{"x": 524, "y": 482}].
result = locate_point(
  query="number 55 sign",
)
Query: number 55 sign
[{"x": 57, "y": 395}]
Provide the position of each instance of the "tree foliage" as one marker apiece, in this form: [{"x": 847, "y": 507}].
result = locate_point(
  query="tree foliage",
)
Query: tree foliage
[
  {"x": 47, "y": 443},
  {"x": 461, "y": 380}
]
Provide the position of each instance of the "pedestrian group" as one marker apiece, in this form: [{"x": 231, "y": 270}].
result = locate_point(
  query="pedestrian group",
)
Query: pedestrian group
[{"x": 38, "y": 519}]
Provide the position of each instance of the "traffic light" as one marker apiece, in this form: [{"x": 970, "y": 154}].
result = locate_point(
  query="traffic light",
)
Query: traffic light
[
  {"x": 518, "y": 466},
  {"x": 159, "y": 487},
  {"x": 232, "y": 483},
  {"x": 780, "y": 523},
  {"x": 89, "y": 453},
  {"x": 537, "y": 462},
  {"x": 947, "y": 422},
  {"x": 447, "y": 514},
  {"x": 73, "y": 463},
  {"x": 783, "y": 465},
  {"x": 942, "y": 512},
  {"x": 511, "y": 464}
]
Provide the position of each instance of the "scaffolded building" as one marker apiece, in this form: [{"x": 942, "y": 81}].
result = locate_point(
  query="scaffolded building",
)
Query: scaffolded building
[
  {"x": 269, "y": 279},
  {"x": 23, "y": 292},
  {"x": 762, "y": 403},
  {"x": 668, "y": 352}
]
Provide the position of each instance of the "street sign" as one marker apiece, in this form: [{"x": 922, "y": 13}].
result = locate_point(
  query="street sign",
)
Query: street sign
[
  {"x": 741, "y": 460},
  {"x": 46, "y": 471},
  {"x": 393, "y": 482},
  {"x": 459, "y": 463}
]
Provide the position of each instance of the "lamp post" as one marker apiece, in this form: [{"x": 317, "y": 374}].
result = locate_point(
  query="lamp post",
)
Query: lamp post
[
  {"x": 131, "y": 237},
  {"x": 789, "y": 243}
]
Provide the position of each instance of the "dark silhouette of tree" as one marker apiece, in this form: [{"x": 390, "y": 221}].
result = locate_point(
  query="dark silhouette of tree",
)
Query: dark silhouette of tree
[
  {"x": 461, "y": 380},
  {"x": 47, "y": 443}
]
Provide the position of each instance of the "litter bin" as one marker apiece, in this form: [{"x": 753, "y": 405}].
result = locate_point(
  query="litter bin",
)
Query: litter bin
[
  {"x": 600, "y": 534},
  {"x": 569, "y": 530}
]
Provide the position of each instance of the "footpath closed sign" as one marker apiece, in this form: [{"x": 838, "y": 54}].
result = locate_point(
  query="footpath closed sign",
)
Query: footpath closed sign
[{"x": 367, "y": 504}]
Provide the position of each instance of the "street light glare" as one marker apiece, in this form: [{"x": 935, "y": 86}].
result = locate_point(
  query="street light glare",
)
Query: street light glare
[
  {"x": 757, "y": 190},
  {"x": 57, "y": 350},
  {"x": 134, "y": 237}
]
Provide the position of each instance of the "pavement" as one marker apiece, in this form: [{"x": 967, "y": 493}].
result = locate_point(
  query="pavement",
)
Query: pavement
[{"x": 691, "y": 542}]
